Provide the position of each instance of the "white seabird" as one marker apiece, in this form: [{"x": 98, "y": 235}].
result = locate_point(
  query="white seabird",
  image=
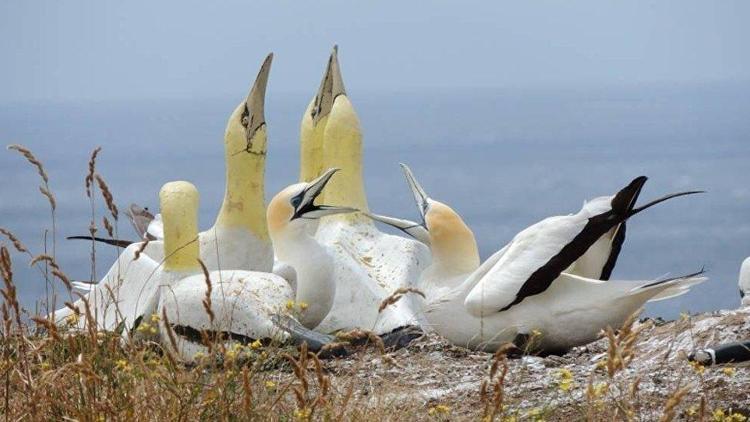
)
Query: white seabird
[
  {"x": 245, "y": 303},
  {"x": 744, "y": 282},
  {"x": 239, "y": 237},
  {"x": 522, "y": 289}
]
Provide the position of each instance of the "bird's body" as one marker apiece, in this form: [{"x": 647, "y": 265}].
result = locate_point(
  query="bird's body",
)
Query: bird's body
[
  {"x": 244, "y": 304},
  {"x": 121, "y": 297},
  {"x": 523, "y": 289},
  {"x": 744, "y": 282}
]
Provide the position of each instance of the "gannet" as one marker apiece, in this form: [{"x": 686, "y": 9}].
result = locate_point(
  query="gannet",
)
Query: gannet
[
  {"x": 522, "y": 290},
  {"x": 239, "y": 237},
  {"x": 244, "y": 303},
  {"x": 737, "y": 353},
  {"x": 130, "y": 289},
  {"x": 744, "y": 282},
  {"x": 370, "y": 265}
]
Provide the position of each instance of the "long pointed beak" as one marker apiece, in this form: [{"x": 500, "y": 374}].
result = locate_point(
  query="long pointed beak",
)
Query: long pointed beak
[
  {"x": 412, "y": 228},
  {"x": 307, "y": 209},
  {"x": 254, "y": 116},
  {"x": 635, "y": 211},
  {"x": 331, "y": 86},
  {"x": 420, "y": 196}
]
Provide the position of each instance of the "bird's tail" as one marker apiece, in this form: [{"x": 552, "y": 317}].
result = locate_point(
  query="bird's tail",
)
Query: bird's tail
[{"x": 671, "y": 287}]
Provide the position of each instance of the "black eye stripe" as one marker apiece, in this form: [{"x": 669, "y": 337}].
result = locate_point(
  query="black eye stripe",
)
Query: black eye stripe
[{"x": 296, "y": 201}]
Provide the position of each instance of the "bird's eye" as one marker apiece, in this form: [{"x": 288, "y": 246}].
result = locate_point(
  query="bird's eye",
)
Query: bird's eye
[{"x": 296, "y": 201}]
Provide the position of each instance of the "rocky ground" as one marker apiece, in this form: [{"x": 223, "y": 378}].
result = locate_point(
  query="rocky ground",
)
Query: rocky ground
[{"x": 446, "y": 381}]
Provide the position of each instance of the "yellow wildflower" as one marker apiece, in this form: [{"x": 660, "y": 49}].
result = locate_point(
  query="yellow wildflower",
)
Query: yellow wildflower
[
  {"x": 256, "y": 344},
  {"x": 700, "y": 369},
  {"x": 302, "y": 414},
  {"x": 566, "y": 379},
  {"x": 302, "y": 306},
  {"x": 721, "y": 416},
  {"x": 289, "y": 305},
  {"x": 600, "y": 389},
  {"x": 729, "y": 371},
  {"x": 270, "y": 385},
  {"x": 154, "y": 318},
  {"x": 123, "y": 365},
  {"x": 439, "y": 410},
  {"x": 72, "y": 319}
]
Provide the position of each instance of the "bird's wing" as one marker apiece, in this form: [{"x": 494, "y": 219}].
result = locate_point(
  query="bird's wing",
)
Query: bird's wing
[
  {"x": 531, "y": 261},
  {"x": 155, "y": 230},
  {"x": 287, "y": 272},
  {"x": 140, "y": 218}
]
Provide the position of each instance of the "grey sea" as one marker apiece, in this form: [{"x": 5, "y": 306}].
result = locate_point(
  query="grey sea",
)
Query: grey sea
[{"x": 503, "y": 158}]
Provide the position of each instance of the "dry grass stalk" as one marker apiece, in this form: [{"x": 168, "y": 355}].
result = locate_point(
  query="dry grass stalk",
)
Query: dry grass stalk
[
  {"x": 44, "y": 188},
  {"x": 9, "y": 292},
  {"x": 621, "y": 348},
  {"x": 140, "y": 249},
  {"x": 672, "y": 402},
  {"x": 108, "y": 227},
  {"x": 89, "y": 180},
  {"x": 107, "y": 195},
  {"x": 31, "y": 159},
  {"x": 168, "y": 329},
  {"x": 494, "y": 403},
  {"x": 62, "y": 277},
  {"x": 44, "y": 258},
  {"x": 207, "y": 299},
  {"x": 362, "y": 336},
  {"x": 396, "y": 296},
  {"x": 13, "y": 239},
  {"x": 49, "y": 326}
]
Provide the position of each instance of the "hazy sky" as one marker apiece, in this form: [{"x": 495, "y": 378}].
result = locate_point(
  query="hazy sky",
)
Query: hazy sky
[{"x": 191, "y": 49}]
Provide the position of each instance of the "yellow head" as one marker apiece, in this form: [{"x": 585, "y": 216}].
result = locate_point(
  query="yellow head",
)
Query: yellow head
[
  {"x": 293, "y": 208},
  {"x": 179, "y": 209},
  {"x": 245, "y": 150},
  {"x": 330, "y": 136},
  {"x": 451, "y": 241}
]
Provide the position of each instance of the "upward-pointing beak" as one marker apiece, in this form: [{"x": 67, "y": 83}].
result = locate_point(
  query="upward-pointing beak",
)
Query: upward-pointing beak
[
  {"x": 662, "y": 199},
  {"x": 306, "y": 207},
  {"x": 331, "y": 87},
  {"x": 416, "y": 230},
  {"x": 623, "y": 204},
  {"x": 420, "y": 196},
  {"x": 254, "y": 117}
]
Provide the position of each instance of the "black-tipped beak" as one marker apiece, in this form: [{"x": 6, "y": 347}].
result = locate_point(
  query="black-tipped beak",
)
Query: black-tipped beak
[
  {"x": 331, "y": 86},
  {"x": 635, "y": 211},
  {"x": 416, "y": 230},
  {"x": 420, "y": 196},
  {"x": 254, "y": 117},
  {"x": 305, "y": 207},
  {"x": 625, "y": 199}
]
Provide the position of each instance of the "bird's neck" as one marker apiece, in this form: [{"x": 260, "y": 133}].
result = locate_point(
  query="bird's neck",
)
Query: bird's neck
[
  {"x": 454, "y": 254},
  {"x": 244, "y": 199},
  {"x": 342, "y": 148},
  {"x": 311, "y": 146},
  {"x": 181, "y": 249},
  {"x": 314, "y": 268}
]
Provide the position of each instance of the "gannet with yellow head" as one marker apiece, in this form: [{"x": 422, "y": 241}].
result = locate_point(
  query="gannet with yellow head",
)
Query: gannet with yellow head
[
  {"x": 239, "y": 237},
  {"x": 370, "y": 265},
  {"x": 131, "y": 288},
  {"x": 484, "y": 306},
  {"x": 244, "y": 303}
]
